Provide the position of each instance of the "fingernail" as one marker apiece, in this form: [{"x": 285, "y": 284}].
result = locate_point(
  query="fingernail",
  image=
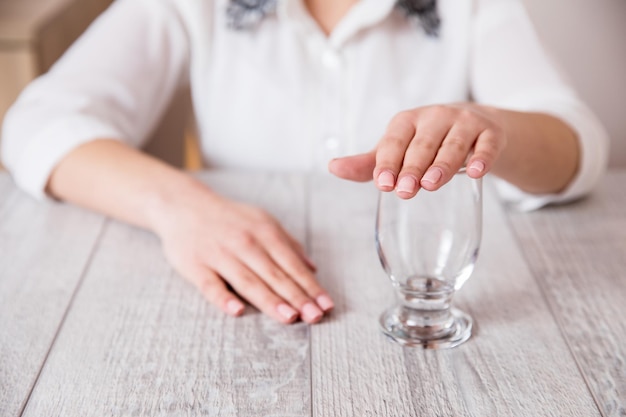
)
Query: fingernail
[
  {"x": 234, "y": 307},
  {"x": 433, "y": 175},
  {"x": 325, "y": 302},
  {"x": 386, "y": 179},
  {"x": 476, "y": 167},
  {"x": 310, "y": 313},
  {"x": 407, "y": 184},
  {"x": 286, "y": 311}
]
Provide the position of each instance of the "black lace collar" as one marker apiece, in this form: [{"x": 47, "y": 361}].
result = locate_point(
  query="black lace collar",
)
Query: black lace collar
[
  {"x": 425, "y": 11},
  {"x": 248, "y": 14}
]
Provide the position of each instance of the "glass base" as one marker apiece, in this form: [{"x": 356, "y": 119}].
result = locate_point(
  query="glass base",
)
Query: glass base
[{"x": 399, "y": 327}]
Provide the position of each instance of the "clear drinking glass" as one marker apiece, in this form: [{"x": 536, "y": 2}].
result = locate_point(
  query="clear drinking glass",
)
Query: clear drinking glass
[{"x": 428, "y": 246}]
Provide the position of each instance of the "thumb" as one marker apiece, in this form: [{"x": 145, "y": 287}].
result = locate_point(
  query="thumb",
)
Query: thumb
[{"x": 355, "y": 168}]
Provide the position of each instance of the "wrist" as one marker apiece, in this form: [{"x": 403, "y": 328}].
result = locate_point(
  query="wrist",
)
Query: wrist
[{"x": 166, "y": 202}]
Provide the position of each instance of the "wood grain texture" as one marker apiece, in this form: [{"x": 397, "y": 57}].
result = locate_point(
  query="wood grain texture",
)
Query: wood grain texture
[
  {"x": 517, "y": 364},
  {"x": 44, "y": 248},
  {"x": 138, "y": 340},
  {"x": 578, "y": 254},
  {"x": 141, "y": 341}
]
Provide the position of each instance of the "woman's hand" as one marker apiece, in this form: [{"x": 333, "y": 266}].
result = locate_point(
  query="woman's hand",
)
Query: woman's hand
[
  {"x": 221, "y": 246},
  {"x": 226, "y": 248},
  {"x": 425, "y": 147}
]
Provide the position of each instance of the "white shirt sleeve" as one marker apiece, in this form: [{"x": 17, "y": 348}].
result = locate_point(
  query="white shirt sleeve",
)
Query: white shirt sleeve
[
  {"x": 114, "y": 82},
  {"x": 510, "y": 69}
]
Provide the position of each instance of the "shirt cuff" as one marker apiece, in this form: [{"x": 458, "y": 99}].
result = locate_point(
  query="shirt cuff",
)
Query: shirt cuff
[
  {"x": 593, "y": 144},
  {"x": 44, "y": 151}
]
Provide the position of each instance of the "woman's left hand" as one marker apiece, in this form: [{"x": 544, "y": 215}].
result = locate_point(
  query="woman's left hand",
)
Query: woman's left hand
[{"x": 426, "y": 146}]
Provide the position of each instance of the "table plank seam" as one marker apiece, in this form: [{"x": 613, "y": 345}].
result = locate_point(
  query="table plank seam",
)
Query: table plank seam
[
  {"x": 308, "y": 243},
  {"x": 551, "y": 308},
  {"x": 79, "y": 283}
]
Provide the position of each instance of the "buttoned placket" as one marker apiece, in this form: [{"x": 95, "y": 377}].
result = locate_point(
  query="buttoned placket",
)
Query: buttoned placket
[
  {"x": 329, "y": 59},
  {"x": 333, "y": 101}
]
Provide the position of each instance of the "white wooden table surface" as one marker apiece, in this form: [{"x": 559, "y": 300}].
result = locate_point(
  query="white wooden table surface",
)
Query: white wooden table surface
[{"x": 93, "y": 322}]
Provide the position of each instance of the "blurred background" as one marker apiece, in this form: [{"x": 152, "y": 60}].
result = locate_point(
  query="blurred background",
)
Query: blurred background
[{"x": 586, "y": 38}]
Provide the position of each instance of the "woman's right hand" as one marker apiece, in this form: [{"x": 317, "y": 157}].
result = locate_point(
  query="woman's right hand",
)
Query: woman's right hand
[
  {"x": 226, "y": 249},
  {"x": 230, "y": 250}
]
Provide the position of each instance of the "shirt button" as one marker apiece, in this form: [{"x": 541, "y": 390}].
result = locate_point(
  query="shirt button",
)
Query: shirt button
[
  {"x": 331, "y": 59},
  {"x": 331, "y": 143}
]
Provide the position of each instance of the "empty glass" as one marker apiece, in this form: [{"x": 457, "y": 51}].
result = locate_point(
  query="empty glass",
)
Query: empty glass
[{"x": 428, "y": 246}]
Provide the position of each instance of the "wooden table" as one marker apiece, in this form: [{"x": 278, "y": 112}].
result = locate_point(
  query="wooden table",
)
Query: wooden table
[{"x": 93, "y": 322}]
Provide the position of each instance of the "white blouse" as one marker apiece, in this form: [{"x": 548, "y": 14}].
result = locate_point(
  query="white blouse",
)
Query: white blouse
[{"x": 281, "y": 95}]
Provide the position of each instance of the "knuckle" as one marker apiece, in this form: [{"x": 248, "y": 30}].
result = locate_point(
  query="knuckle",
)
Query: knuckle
[
  {"x": 491, "y": 143},
  {"x": 261, "y": 216},
  {"x": 442, "y": 111},
  {"x": 243, "y": 239},
  {"x": 211, "y": 256},
  {"x": 445, "y": 166},
  {"x": 312, "y": 288},
  {"x": 466, "y": 115},
  {"x": 245, "y": 280},
  {"x": 214, "y": 291},
  {"x": 309, "y": 285},
  {"x": 206, "y": 286},
  {"x": 456, "y": 144},
  {"x": 487, "y": 154},
  {"x": 405, "y": 116},
  {"x": 252, "y": 289},
  {"x": 266, "y": 298},
  {"x": 412, "y": 169},
  {"x": 269, "y": 231},
  {"x": 427, "y": 144},
  {"x": 266, "y": 217},
  {"x": 392, "y": 143},
  {"x": 496, "y": 130},
  {"x": 277, "y": 277},
  {"x": 295, "y": 297},
  {"x": 489, "y": 146},
  {"x": 299, "y": 269}
]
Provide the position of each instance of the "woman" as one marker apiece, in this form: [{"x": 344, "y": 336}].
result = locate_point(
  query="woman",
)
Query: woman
[{"x": 292, "y": 85}]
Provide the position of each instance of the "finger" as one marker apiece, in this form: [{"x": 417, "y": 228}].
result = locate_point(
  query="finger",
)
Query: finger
[
  {"x": 486, "y": 150},
  {"x": 420, "y": 154},
  {"x": 355, "y": 168},
  {"x": 261, "y": 264},
  {"x": 279, "y": 248},
  {"x": 451, "y": 156},
  {"x": 291, "y": 292},
  {"x": 255, "y": 291},
  {"x": 302, "y": 252},
  {"x": 323, "y": 300},
  {"x": 213, "y": 288},
  {"x": 391, "y": 149}
]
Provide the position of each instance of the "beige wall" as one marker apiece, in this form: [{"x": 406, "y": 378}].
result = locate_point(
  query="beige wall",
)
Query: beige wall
[
  {"x": 17, "y": 68},
  {"x": 588, "y": 39},
  {"x": 35, "y": 33}
]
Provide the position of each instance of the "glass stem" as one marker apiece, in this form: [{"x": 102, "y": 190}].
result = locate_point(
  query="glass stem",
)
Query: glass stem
[{"x": 427, "y": 312}]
